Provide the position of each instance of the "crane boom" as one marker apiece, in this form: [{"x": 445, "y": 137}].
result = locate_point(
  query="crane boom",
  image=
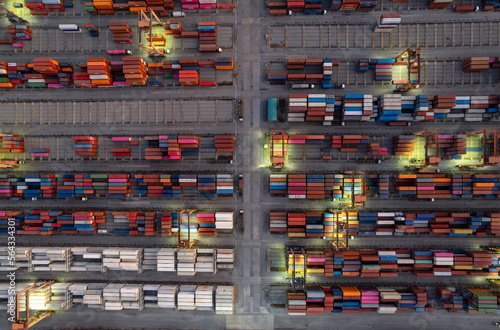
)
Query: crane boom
[{"x": 13, "y": 18}]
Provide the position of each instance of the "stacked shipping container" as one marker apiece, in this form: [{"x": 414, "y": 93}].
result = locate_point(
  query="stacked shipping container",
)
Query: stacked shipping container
[
  {"x": 11, "y": 144},
  {"x": 388, "y": 263},
  {"x": 86, "y": 146},
  {"x": 352, "y": 299},
  {"x": 393, "y": 109},
  {"x": 448, "y": 185}
]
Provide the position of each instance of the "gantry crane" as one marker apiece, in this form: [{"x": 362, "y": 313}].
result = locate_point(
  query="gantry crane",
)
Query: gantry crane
[
  {"x": 302, "y": 281},
  {"x": 146, "y": 24},
  {"x": 493, "y": 157},
  {"x": 341, "y": 241},
  {"x": 412, "y": 57},
  {"x": 27, "y": 322},
  {"x": 13, "y": 18},
  {"x": 357, "y": 200},
  {"x": 181, "y": 243},
  {"x": 431, "y": 143},
  {"x": 278, "y": 146}
]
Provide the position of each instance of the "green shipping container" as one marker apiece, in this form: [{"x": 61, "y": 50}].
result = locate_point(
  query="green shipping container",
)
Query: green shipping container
[{"x": 272, "y": 109}]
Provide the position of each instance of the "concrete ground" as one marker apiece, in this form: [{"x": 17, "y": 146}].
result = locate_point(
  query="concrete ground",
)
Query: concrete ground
[{"x": 251, "y": 53}]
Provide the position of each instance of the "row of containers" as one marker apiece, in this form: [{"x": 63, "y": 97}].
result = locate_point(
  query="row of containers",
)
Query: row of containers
[
  {"x": 384, "y": 67},
  {"x": 122, "y": 34},
  {"x": 315, "y": 7},
  {"x": 182, "y": 262},
  {"x": 148, "y": 223},
  {"x": 480, "y": 147},
  {"x": 394, "y": 109},
  {"x": 389, "y": 300},
  {"x": 339, "y": 224},
  {"x": 425, "y": 186},
  {"x": 111, "y": 7},
  {"x": 158, "y": 147},
  {"x": 306, "y": 70},
  {"x": 302, "y": 72},
  {"x": 390, "y": 262},
  {"x": 61, "y": 296},
  {"x": 33, "y": 186},
  {"x": 162, "y": 7},
  {"x": 96, "y": 72}
]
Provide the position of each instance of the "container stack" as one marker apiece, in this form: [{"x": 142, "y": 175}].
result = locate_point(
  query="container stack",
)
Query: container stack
[
  {"x": 111, "y": 297},
  {"x": 390, "y": 107},
  {"x": 165, "y": 260},
  {"x": 122, "y": 33},
  {"x": 297, "y": 303},
  {"x": 186, "y": 297},
  {"x": 297, "y": 107},
  {"x": 224, "y": 63},
  {"x": 99, "y": 72},
  {"x": 16, "y": 216},
  {"x": 135, "y": 223},
  {"x": 351, "y": 299},
  {"x": 30, "y": 186},
  {"x": 36, "y": 8},
  {"x": 208, "y": 36},
  {"x": 483, "y": 301},
  {"x": 356, "y": 107},
  {"x": 49, "y": 259},
  {"x": 166, "y": 296},
  {"x": 387, "y": 23},
  {"x": 476, "y": 64},
  {"x": 46, "y": 67},
  {"x": 19, "y": 32},
  {"x": 189, "y": 145},
  {"x": 383, "y": 69},
  {"x": 186, "y": 262},
  {"x": 39, "y": 152},
  {"x": 132, "y": 296},
  {"x": 316, "y": 106},
  {"x": 205, "y": 261},
  {"x": 315, "y": 297},
  {"x": 278, "y": 222},
  {"x": 207, "y": 185},
  {"x": 40, "y": 222},
  {"x": 86, "y": 146},
  {"x": 348, "y": 5},
  {"x": 224, "y": 143},
  {"x": 162, "y": 147},
  {"x": 225, "y": 184},
  {"x": 135, "y": 70},
  {"x": 166, "y": 224},
  {"x": 204, "y": 297},
  {"x": 224, "y": 299},
  {"x": 223, "y": 220},
  {"x": 11, "y": 144},
  {"x": 438, "y": 4},
  {"x": 225, "y": 258},
  {"x": 403, "y": 145},
  {"x": 5, "y": 81},
  {"x": 189, "y": 76},
  {"x": 295, "y": 5},
  {"x": 206, "y": 222}
]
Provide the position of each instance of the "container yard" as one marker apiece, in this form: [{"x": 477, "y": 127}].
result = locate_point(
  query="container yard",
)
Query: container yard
[{"x": 223, "y": 164}]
